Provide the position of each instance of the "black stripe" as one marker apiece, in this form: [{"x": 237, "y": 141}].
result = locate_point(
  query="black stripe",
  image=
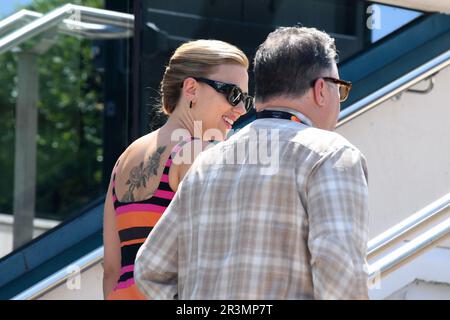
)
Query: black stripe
[
  {"x": 134, "y": 233},
  {"x": 158, "y": 201},
  {"x": 166, "y": 170},
  {"x": 129, "y": 254},
  {"x": 126, "y": 276},
  {"x": 152, "y": 200},
  {"x": 164, "y": 186}
]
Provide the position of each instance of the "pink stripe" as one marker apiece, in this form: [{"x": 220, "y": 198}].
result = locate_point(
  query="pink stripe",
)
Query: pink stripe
[
  {"x": 169, "y": 162},
  {"x": 126, "y": 269},
  {"x": 114, "y": 198},
  {"x": 165, "y": 178},
  {"x": 164, "y": 194},
  {"x": 140, "y": 207},
  {"x": 125, "y": 284}
]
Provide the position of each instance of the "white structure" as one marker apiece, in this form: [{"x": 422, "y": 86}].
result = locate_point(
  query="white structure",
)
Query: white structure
[
  {"x": 406, "y": 143},
  {"x": 6, "y": 231}
]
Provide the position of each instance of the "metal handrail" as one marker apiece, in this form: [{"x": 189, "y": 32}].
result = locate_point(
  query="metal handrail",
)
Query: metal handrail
[
  {"x": 61, "y": 276},
  {"x": 394, "y": 88},
  {"x": 8, "y": 23},
  {"x": 69, "y": 26},
  {"x": 412, "y": 224},
  {"x": 53, "y": 18},
  {"x": 409, "y": 251},
  {"x": 102, "y": 16}
]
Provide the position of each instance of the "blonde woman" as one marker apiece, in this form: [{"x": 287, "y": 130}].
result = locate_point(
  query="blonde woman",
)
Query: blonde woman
[{"x": 204, "y": 90}]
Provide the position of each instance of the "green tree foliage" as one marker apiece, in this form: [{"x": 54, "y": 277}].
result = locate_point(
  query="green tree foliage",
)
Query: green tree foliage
[{"x": 69, "y": 141}]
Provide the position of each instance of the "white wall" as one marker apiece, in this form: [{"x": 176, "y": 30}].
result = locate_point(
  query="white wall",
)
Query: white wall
[
  {"x": 88, "y": 287},
  {"x": 433, "y": 267},
  {"x": 423, "y": 290},
  {"x": 6, "y": 231},
  {"x": 407, "y": 146},
  {"x": 429, "y": 5}
]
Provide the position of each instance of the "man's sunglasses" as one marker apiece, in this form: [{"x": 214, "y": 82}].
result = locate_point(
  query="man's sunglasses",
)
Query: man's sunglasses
[
  {"x": 233, "y": 93},
  {"x": 344, "y": 86}
]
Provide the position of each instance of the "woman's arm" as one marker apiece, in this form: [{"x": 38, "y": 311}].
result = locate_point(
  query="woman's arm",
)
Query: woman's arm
[{"x": 111, "y": 242}]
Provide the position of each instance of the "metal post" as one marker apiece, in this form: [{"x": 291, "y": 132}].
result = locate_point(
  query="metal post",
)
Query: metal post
[{"x": 25, "y": 149}]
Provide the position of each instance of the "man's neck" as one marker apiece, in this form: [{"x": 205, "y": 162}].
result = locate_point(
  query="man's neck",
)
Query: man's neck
[
  {"x": 296, "y": 107},
  {"x": 304, "y": 119}
]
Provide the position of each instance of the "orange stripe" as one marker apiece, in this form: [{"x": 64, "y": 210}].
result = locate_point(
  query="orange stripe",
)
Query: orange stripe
[
  {"x": 130, "y": 242},
  {"x": 137, "y": 219},
  {"x": 130, "y": 293}
]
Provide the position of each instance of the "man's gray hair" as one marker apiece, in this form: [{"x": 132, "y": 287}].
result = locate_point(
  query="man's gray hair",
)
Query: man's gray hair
[{"x": 290, "y": 59}]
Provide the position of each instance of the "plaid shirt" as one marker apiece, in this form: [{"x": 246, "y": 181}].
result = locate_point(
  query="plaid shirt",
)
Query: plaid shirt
[{"x": 243, "y": 230}]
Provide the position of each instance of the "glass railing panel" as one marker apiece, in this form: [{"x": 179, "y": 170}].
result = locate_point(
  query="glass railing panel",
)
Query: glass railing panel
[{"x": 63, "y": 122}]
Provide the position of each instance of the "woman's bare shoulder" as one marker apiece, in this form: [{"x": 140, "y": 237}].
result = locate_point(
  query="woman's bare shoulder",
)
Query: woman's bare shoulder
[{"x": 139, "y": 168}]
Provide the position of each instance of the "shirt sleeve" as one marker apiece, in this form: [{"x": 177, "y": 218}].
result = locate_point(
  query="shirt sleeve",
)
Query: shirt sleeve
[
  {"x": 337, "y": 207},
  {"x": 156, "y": 265}
]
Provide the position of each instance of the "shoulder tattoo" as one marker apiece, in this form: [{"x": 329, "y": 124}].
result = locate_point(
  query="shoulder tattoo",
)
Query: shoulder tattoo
[{"x": 140, "y": 175}]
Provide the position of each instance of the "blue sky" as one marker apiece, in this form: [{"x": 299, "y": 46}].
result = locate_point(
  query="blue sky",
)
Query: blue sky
[
  {"x": 8, "y": 7},
  {"x": 392, "y": 18}
]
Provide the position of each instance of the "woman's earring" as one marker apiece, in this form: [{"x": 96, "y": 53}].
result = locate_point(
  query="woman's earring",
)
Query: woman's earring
[{"x": 190, "y": 105}]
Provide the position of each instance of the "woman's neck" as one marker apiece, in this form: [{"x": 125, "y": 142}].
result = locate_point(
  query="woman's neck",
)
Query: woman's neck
[{"x": 180, "y": 122}]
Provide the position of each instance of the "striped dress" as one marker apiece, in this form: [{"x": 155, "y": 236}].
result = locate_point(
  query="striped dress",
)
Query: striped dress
[{"x": 134, "y": 221}]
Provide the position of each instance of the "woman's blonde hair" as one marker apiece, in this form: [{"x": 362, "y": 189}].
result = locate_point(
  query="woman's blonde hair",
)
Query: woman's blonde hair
[{"x": 195, "y": 59}]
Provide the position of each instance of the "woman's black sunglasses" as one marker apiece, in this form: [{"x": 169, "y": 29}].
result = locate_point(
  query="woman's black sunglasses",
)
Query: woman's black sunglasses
[{"x": 232, "y": 92}]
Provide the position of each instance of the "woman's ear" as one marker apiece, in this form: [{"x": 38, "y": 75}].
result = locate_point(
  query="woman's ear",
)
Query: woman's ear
[{"x": 190, "y": 88}]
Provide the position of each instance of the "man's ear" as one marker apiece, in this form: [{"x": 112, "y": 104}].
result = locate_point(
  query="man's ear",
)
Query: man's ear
[
  {"x": 319, "y": 92},
  {"x": 190, "y": 88}
]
